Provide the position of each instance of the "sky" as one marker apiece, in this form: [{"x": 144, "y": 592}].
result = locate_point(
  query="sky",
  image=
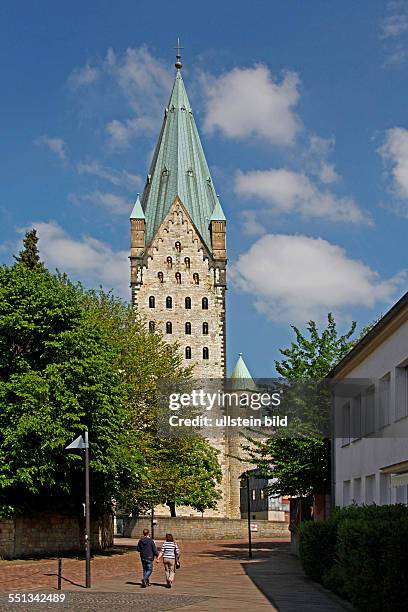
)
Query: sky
[{"x": 302, "y": 110}]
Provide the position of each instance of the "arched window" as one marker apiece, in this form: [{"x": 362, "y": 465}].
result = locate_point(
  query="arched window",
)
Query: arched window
[
  {"x": 152, "y": 326},
  {"x": 187, "y": 303},
  {"x": 206, "y": 353},
  {"x": 169, "y": 327},
  {"x": 152, "y": 301},
  {"x": 169, "y": 302},
  {"x": 205, "y": 329},
  {"x": 188, "y": 352},
  {"x": 196, "y": 278},
  {"x": 178, "y": 278},
  {"x": 177, "y": 246},
  {"x": 160, "y": 276},
  {"x": 187, "y": 262},
  {"x": 204, "y": 303},
  {"x": 169, "y": 263},
  {"x": 188, "y": 328}
]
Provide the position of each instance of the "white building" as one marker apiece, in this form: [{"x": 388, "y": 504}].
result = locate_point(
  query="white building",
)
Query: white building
[{"x": 370, "y": 460}]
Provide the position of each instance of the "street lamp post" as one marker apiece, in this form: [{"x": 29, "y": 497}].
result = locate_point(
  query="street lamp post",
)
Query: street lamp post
[
  {"x": 249, "y": 518},
  {"x": 80, "y": 444}
]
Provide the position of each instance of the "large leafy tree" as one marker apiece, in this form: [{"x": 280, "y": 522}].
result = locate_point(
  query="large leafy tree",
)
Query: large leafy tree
[
  {"x": 56, "y": 380},
  {"x": 301, "y": 465}
]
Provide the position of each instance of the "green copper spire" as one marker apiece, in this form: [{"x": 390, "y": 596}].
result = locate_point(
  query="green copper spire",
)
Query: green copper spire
[
  {"x": 137, "y": 212},
  {"x": 179, "y": 168},
  {"x": 218, "y": 213},
  {"x": 241, "y": 377}
]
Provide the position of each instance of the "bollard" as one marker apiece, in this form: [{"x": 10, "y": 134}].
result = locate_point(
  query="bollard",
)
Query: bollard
[{"x": 59, "y": 573}]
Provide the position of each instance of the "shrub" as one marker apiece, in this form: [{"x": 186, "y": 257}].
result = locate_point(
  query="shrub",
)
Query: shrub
[
  {"x": 361, "y": 553},
  {"x": 317, "y": 544}
]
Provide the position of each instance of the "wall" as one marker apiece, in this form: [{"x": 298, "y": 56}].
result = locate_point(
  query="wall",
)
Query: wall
[
  {"x": 50, "y": 534},
  {"x": 204, "y": 528}
]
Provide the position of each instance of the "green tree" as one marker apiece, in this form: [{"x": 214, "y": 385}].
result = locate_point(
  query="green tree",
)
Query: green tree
[
  {"x": 56, "y": 380},
  {"x": 29, "y": 255},
  {"x": 301, "y": 465}
]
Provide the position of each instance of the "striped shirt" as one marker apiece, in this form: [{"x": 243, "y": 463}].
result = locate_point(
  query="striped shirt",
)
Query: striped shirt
[{"x": 169, "y": 550}]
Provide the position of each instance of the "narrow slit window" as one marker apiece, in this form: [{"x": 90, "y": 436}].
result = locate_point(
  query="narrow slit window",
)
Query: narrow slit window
[
  {"x": 152, "y": 301},
  {"x": 177, "y": 246},
  {"x": 187, "y": 262},
  {"x": 196, "y": 278},
  {"x": 169, "y": 327},
  {"x": 188, "y": 352},
  {"x": 205, "y": 329},
  {"x": 206, "y": 353},
  {"x": 187, "y": 303},
  {"x": 204, "y": 303},
  {"x": 160, "y": 276},
  {"x": 152, "y": 326},
  {"x": 178, "y": 278},
  {"x": 169, "y": 302},
  {"x": 188, "y": 328},
  {"x": 169, "y": 263}
]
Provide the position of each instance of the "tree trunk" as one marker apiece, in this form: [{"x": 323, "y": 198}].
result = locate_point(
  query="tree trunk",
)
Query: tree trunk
[{"x": 172, "y": 507}]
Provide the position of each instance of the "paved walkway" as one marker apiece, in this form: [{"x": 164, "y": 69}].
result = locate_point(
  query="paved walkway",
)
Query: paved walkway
[{"x": 215, "y": 576}]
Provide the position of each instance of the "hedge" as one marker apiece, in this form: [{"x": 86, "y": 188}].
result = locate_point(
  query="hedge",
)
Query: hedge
[{"x": 361, "y": 552}]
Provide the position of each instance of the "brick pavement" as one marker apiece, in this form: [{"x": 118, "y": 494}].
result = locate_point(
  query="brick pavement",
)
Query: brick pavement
[{"x": 215, "y": 575}]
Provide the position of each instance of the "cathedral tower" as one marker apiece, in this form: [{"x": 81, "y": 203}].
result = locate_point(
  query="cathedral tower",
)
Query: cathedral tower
[{"x": 178, "y": 243}]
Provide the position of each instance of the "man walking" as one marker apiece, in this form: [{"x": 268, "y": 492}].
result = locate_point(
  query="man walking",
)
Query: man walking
[{"x": 148, "y": 552}]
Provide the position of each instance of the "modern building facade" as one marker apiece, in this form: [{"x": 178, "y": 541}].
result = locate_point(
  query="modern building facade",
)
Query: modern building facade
[{"x": 371, "y": 454}]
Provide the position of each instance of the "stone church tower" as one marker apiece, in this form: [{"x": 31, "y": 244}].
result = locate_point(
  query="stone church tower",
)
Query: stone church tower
[{"x": 178, "y": 260}]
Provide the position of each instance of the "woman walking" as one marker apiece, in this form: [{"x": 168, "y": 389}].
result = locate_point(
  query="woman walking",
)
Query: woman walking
[{"x": 170, "y": 553}]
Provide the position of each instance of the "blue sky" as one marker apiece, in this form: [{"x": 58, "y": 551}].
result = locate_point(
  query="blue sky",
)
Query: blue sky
[{"x": 302, "y": 109}]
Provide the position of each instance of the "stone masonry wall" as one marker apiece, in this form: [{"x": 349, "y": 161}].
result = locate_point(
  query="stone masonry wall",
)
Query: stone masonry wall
[
  {"x": 45, "y": 534},
  {"x": 205, "y": 528}
]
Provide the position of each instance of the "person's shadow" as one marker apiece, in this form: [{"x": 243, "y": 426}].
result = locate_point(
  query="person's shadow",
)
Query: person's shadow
[{"x": 159, "y": 584}]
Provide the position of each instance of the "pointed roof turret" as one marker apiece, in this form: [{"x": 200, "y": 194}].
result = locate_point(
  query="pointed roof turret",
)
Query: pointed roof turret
[
  {"x": 137, "y": 212},
  {"x": 241, "y": 378},
  {"x": 179, "y": 168},
  {"x": 217, "y": 213}
]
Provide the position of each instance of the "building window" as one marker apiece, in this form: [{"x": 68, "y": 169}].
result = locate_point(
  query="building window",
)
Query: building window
[
  {"x": 206, "y": 353},
  {"x": 346, "y": 423},
  {"x": 169, "y": 302},
  {"x": 188, "y": 352},
  {"x": 169, "y": 327},
  {"x": 356, "y": 430},
  {"x": 384, "y": 401},
  {"x": 262, "y": 494},
  {"x": 177, "y": 246},
  {"x": 346, "y": 493},
  {"x": 187, "y": 262},
  {"x": 370, "y": 489},
  {"x": 357, "y": 491},
  {"x": 152, "y": 326},
  {"x": 196, "y": 278},
  {"x": 188, "y": 328},
  {"x": 152, "y": 301},
  {"x": 160, "y": 276},
  {"x": 205, "y": 329},
  {"x": 369, "y": 410},
  {"x": 253, "y": 494},
  {"x": 169, "y": 263},
  {"x": 187, "y": 303},
  {"x": 204, "y": 303},
  {"x": 401, "y": 392},
  {"x": 178, "y": 278}
]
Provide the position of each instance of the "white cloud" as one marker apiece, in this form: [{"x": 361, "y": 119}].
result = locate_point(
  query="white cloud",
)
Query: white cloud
[
  {"x": 317, "y": 159},
  {"x": 287, "y": 192},
  {"x": 54, "y": 144},
  {"x": 299, "y": 278},
  {"x": 87, "y": 259},
  {"x": 86, "y": 75},
  {"x": 394, "y": 153},
  {"x": 251, "y": 226},
  {"x": 394, "y": 32},
  {"x": 117, "y": 204},
  {"x": 144, "y": 83},
  {"x": 119, "y": 178},
  {"x": 248, "y": 101}
]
